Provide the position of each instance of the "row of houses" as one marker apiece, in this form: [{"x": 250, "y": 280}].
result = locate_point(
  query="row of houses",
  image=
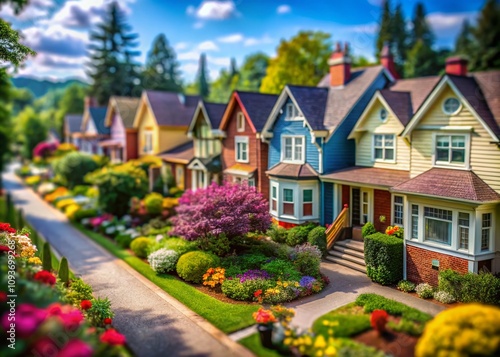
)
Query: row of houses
[{"x": 422, "y": 153}]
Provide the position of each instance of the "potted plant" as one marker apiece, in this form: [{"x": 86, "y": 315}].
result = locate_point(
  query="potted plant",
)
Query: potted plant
[{"x": 265, "y": 320}]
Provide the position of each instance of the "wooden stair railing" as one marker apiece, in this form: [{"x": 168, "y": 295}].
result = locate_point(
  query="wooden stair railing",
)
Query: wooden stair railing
[{"x": 337, "y": 227}]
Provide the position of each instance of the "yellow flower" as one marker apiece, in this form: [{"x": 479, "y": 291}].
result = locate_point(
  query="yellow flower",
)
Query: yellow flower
[
  {"x": 35, "y": 261},
  {"x": 320, "y": 342},
  {"x": 331, "y": 351}
]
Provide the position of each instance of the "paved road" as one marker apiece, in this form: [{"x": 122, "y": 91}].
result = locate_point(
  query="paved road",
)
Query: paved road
[{"x": 152, "y": 326}]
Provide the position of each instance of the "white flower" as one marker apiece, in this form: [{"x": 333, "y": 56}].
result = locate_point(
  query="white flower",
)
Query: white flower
[{"x": 163, "y": 260}]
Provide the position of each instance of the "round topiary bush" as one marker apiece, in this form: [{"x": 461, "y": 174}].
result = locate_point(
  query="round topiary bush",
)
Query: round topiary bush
[
  {"x": 124, "y": 240},
  {"x": 466, "y": 330},
  {"x": 154, "y": 203},
  {"x": 163, "y": 260},
  {"x": 317, "y": 237},
  {"x": 368, "y": 229},
  {"x": 191, "y": 266},
  {"x": 73, "y": 168},
  {"x": 140, "y": 246}
]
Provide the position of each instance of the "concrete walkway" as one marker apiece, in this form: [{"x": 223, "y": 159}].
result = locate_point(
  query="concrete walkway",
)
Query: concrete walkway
[
  {"x": 345, "y": 286},
  {"x": 152, "y": 322}
]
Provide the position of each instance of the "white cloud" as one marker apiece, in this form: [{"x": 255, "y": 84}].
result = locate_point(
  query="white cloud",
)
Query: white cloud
[
  {"x": 234, "y": 38},
  {"x": 283, "y": 9},
  {"x": 207, "y": 46},
  {"x": 181, "y": 46},
  {"x": 449, "y": 24},
  {"x": 33, "y": 10},
  {"x": 252, "y": 41},
  {"x": 213, "y": 10},
  {"x": 189, "y": 56}
]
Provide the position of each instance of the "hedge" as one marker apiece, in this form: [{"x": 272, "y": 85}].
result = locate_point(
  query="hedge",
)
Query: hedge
[
  {"x": 384, "y": 258},
  {"x": 483, "y": 287}
]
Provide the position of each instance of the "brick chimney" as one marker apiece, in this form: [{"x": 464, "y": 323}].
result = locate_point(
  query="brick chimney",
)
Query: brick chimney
[
  {"x": 387, "y": 60},
  {"x": 90, "y": 102},
  {"x": 456, "y": 66},
  {"x": 340, "y": 66}
]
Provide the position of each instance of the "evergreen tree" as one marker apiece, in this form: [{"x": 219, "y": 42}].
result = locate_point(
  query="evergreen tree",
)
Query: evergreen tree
[
  {"x": 112, "y": 67},
  {"x": 233, "y": 69},
  {"x": 421, "y": 30},
  {"x": 162, "y": 68},
  {"x": 203, "y": 88},
  {"x": 465, "y": 40},
  {"x": 385, "y": 29},
  {"x": 422, "y": 61},
  {"x": 400, "y": 38},
  {"x": 486, "y": 54},
  {"x": 47, "y": 257},
  {"x": 253, "y": 71}
]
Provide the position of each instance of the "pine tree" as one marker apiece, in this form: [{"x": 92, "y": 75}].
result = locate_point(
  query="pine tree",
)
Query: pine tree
[
  {"x": 422, "y": 61},
  {"x": 47, "y": 257},
  {"x": 112, "y": 67},
  {"x": 465, "y": 40},
  {"x": 400, "y": 38},
  {"x": 385, "y": 29},
  {"x": 162, "y": 68},
  {"x": 486, "y": 54},
  {"x": 203, "y": 88},
  {"x": 420, "y": 28}
]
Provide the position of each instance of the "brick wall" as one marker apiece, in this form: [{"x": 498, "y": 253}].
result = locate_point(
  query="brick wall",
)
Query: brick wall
[
  {"x": 419, "y": 265},
  {"x": 382, "y": 207}
]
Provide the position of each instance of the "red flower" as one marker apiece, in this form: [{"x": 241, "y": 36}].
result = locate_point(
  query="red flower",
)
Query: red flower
[
  {"x": 257, "y": 293},
  {"x": 3, "y": 297},
  {"x": 54, "y": 309},
  {"x": 45, "y": 277},
  {"x": 107, "y": 321},
  {"x": 378, "y": 320},
  {"x": 113, "y": 337},
  {"x": 4, "y": 248},
  {"x": 86, "y": 304},
  {"x": 5, "y": 227},
  {"x": 76, "y": 348}
]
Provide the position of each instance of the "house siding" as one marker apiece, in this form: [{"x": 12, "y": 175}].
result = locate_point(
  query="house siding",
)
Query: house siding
[
  {"x": 147, "y": 122},
  {"x": 484, "y": 156},
  {"x": 373, "y": 125},
  {"x": 171, "y": 137},
  {"x": 328, "y": 198}
]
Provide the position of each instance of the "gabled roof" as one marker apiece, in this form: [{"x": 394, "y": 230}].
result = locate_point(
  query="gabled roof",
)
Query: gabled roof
[
  {"x": 489, "y": 82},
  {"x": 312, "y": 103},
  {"x": 181, "y": 154},
  {"x": 73, "y": 123},
  {"x": 212, "y": 113},
  {"x": 126, "y": 108},
  {"x": 98, "y": 116},
  {"x": 399, "y": 103},
  {"x": 451, "y": 184},
  {"x": 295, "y": 171},
  {"x": 255, "y": 106},
  {"x": 211, "y": 164},
  {"x": 419, "y": 89},
  {"x": 171, "y": 109}
]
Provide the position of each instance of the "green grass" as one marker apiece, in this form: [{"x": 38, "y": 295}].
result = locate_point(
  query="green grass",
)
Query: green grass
[
  {"x": 350, "y": 323},
  {"x": 225, "y": 316},
  {"x": 252, "y": 342}
]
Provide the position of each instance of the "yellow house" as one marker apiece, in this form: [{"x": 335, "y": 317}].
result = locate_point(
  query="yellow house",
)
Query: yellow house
[{"x": 162, "y": 120}]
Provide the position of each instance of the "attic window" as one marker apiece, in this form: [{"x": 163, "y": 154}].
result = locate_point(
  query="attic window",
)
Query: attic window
[
  {"x": 291, "y": 112},
  {"x": 383, "y": 114},
  {"x": 240, "y": 122},
  {"x": 451, "y": 106}
]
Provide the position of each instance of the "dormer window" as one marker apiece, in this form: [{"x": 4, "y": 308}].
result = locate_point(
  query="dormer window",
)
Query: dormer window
[
  {"x": 451, "y": 106},
  {"x": 291, "y": 112},
  {"x": 383, "y": 115},
  {"x": 451, "y": 150},
  {"x": 240, "y": 122}
]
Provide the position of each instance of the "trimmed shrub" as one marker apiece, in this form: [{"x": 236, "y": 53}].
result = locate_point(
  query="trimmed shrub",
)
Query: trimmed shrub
[
  {"x": 307, "y": 259},
  {"x": 179, "y": 245},
  {"x": 73, "y": 167},
  {"x": 140, "y": 246},
  {"x": 235, "y": 265},
  {"x": 124, "y": 240},
  {"x": 406, "y": 286},
  {"x": 219, "y": 245},
  {"x": 317, "y": 237},
  {"x": 282, "y": 269},
  {"x": 424, "y": 291},
  {"x": 384, "y": 258},
  {"x": 444, "y": 297},
  {"x": 163, "y": 260},
  {"x": 471, "y": 287},
  {"x": 368, "y": 229},
  {"x": 85, "y": 213},
  {"x": 80, "y": 190},
  {"x": 153, "y": 203},
  {"x": 277, "y": 233},
  {"x": 47, "y": 257},
  {"x": 467, "y": 330},
  {"x": 78, "y": 291},
  {"x": 193, "y": 265},
  {"x": 245, "y": 291},
  {"x": 63, "y": 273},
  {"x": 299, "y": 234}
]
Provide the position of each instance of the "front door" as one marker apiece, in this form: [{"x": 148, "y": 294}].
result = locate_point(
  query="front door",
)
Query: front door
[{"x": 356, "y": 207}]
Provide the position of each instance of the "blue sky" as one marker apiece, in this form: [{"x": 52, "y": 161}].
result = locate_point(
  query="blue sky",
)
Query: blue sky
[{"x": 58, "y": 30}]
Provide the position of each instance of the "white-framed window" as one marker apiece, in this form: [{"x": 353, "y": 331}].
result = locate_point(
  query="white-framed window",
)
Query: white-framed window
[
  {"x": 365, "y": 207},
  {"x": 438, "y": 225},
  {"x": 274, "y": 198},
  {"x": 291, "y": 112},
  {"x": 307, "y": 202},
  {"x": 463, "y": 230},
  {"x": 398, "y": 210},
  {"x": 451, "y": 149},
  {"x": 485, "y": 231},
  {"x": 240, "y": 122},
  {"x": 293, "y": 149},
  {"x": 251, "y": 182},
  {"x": 241, "y": 148},
  {"x": 414, "y": 222},
  {"x": 384, "y": 147},
  {"x": 148, "y": 142},
  {"x": 288, "y": 202},
  {"x": 451, "y": 106}
]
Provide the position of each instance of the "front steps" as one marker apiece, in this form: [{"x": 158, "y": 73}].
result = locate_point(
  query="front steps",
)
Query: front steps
[{"x": 349, "y": 253}]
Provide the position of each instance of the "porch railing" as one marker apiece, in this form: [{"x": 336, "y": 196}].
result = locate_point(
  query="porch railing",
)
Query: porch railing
[{"x": 337, "y": 227}]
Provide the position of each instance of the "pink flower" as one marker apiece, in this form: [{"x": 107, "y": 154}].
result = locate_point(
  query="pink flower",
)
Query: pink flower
[
  {"x": 28, "y": 319},
  {"x": 113, "y": 337},
  {"x": 71, "y": 319},
  {"x": 44, "y": 347},
  {"x": 4, "y": 248},
  {"x": 76, "y": 348},
  {"x": 54, "y": 309}
]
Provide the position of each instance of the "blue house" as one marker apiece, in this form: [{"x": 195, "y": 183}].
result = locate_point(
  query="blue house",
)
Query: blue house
[{"x": 307, "y": 132}]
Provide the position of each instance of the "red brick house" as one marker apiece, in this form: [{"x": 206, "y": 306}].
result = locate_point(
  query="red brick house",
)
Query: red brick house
[{"x": 244, "y": 155}]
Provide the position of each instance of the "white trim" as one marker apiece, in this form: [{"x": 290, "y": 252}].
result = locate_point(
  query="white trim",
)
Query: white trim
[
  {"x": 369, "y": 203},
  {"x": 297, "y": 188},
  {"x": 241, "y": 140},
  {"x": 303, "y": 153},
  {"x": 296, "y": 115},
  {"x": 148, "y": 134},
  {"x": 276, "y": 186},
  {"x": 393, "y": 205},
  {"x": 394, "y": 140},
  {"x": 467, "y": 148},
  {"x": 240, "y": 117},
  {"x": 460, "y": 106}
]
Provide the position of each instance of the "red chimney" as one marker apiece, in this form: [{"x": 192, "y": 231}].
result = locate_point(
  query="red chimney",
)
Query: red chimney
[
  {"x": 90, "y": 102},
  {"x": 456, "y": 66},
  {"x": 387, "y": 60},
  {"x": 340, "y": 66}
]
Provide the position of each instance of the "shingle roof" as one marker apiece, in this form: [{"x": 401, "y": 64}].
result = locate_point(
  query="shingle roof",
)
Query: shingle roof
[
  {"x": 127, "y": 107},
  {"x": 258, "y": 106},
  {"x": 312, "y": 102},
  {"x": 400, "y": 103},
  {"x": 98, "y": 115},
  {"x": 214, "y": 112},
  {"x": 369, "y": 176},
  {"x": 451, "y": 184},
  {"x": 73, "y": 123},
  {"x": 489, "y": 82},
  {"x": 419, "y": 89},
  {"x": 180, "y": 154},
  {"x": 304, "y": 171},
  {"x": 343, "y": 98},
  {"x": 172, "y": 109}
]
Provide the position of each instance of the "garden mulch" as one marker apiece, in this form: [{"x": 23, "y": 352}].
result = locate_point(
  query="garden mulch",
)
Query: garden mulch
[{"x": 393, "y": 343}]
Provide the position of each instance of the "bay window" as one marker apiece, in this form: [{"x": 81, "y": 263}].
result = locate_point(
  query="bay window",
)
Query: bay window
[
  {"x": 274, "y": 199},
  {"x": 307, "y": 202},
  {"x": 288, "y": 203},
  {"x": 463, "y": 230},
  {"x": 438, "y": 223}
]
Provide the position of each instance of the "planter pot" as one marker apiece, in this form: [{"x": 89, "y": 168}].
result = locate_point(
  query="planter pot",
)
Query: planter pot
[{"x": 266, "y": 335}]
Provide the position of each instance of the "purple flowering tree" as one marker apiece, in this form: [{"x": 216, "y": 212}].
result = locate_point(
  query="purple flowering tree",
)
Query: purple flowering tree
[{"x": 232, "y": 209}]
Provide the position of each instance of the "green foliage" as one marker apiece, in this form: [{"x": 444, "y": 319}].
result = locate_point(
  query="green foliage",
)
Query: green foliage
[
  {"x": 202, "y": 81},
  {"x": 153, "y": 203},
  {"x": 78, "y": 290},
  {"x": 84, "y": 213},
  {"x": 219, "y": 245},
  {"x": 307, "y": 260},
  {"x": 73, "y": 167},
  {"x": 465, "y": 40},
  {"x": 299, "y": 234},
  {"x": 47, "y": 257},
  {"x": 317, "y": 237},
  {"x": 191, "y": 266},
  {"x": 238, "y": 264},
  {"x": 140, "y": 246},
  {"x": 6, "y": 136},
  {"x": 178, "y": 245},
  {"x": 233, "y": 289},
  {"x": 483, "y": 287},
  {"x": 368, "y": 229},
  {"x": 100, "y": 310},
  {"x": 253, "y": 71},
  {"x": 283, "y": 270},
  {"x": 80, "y": 190},
  {"x": 424, "y": 291},
  {"x": 20, "y": 219},
  {"x": 277, "y": 233},
  {"x": 11, "y": 50},
  {"x": 63, "y": 273},
  {"x": 348, "y": 324},
  {"x": 422, "y": 61},
  {"x": 124, "y": 240},
  {"x": 409, "y": 327},
  {"x": 32, "y": 130},
  {"x": 71, "y": 101},
  {"x": 406, "y": 286},
  {"x": 444, "y": 297},
  {"x": 486, "y": 49},
  {"x": 384, "y": 258}
]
